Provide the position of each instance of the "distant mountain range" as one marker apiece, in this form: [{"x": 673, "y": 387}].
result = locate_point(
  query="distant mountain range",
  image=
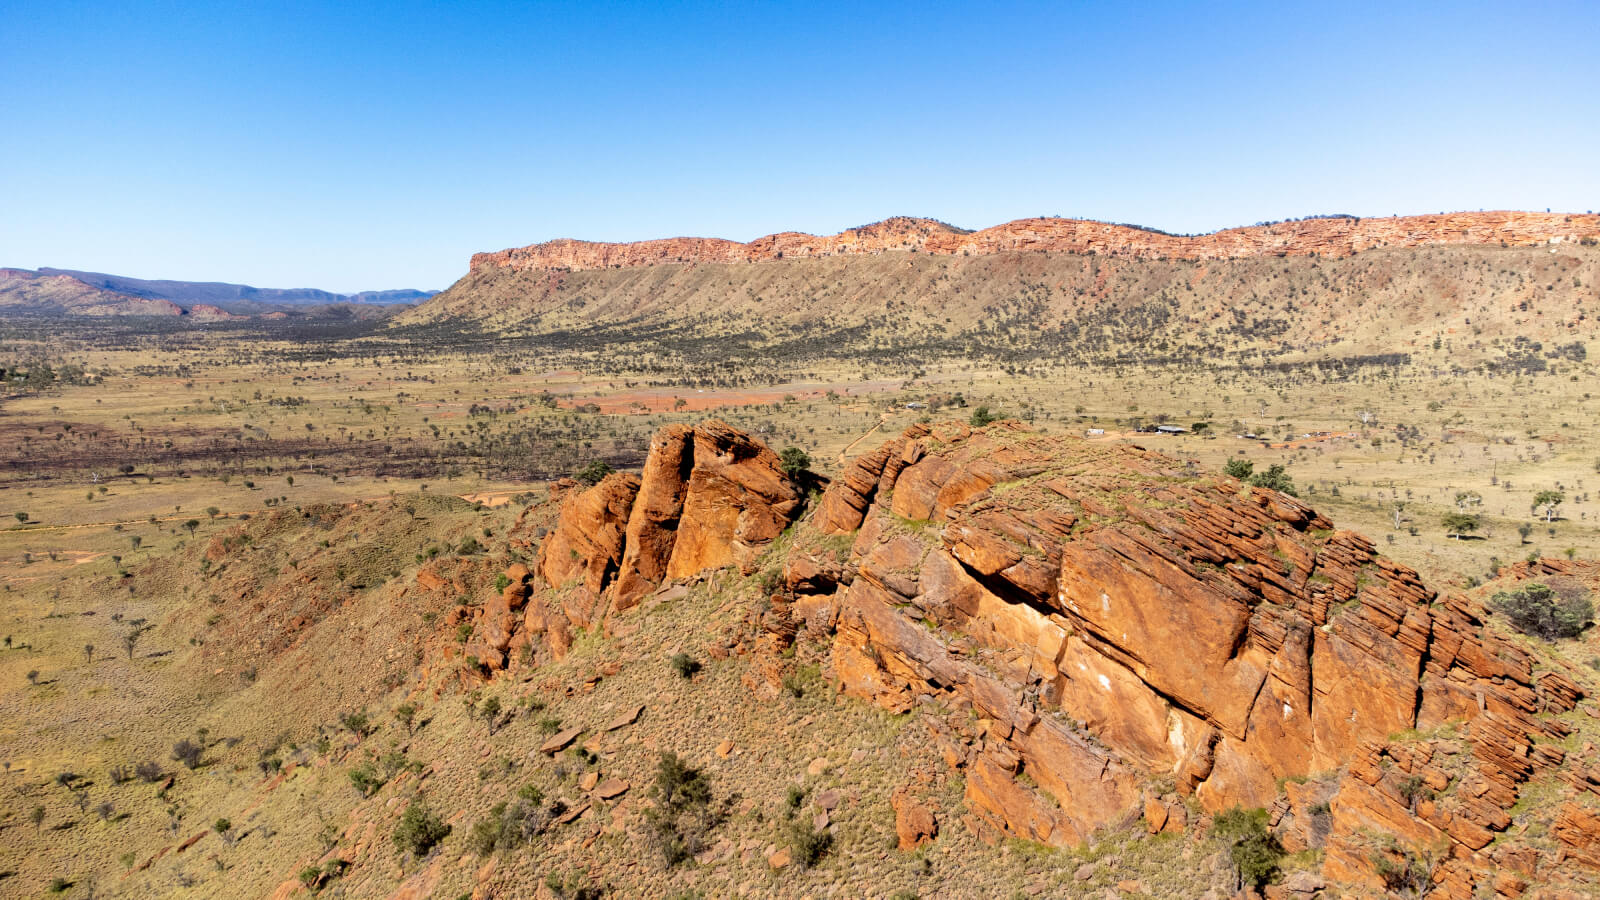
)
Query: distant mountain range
[
  {"x": 218, "y": 292},
  {"x": 49, "y": 291}
]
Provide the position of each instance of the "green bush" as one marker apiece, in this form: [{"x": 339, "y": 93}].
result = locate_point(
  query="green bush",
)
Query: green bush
[
  {"x": 365, "y": 779},
  {"x": 418, "y": 830},
  {"x": 511, "y": 825},
  {"x": 1275, "y": 478},
  {"x": 796, "y": 462},
  {"x": 593, "y": 472},
  {"x": 1252, "y": 849},
  {"x": 1538, "y": 610},
  {"x": 357, "y": 723},
  {"x": 684, "y": 664},
  {"x": 1239, "y": 468},
  {"x": 683, "y": 814},
  {"x": 982, "y": 416},
  {"x": 807, "y": 845}
]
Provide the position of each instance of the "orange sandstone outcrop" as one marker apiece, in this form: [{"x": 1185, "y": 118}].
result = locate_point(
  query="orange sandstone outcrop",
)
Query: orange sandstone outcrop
[
  {"x": 1333, "y": 236},
  {"x": 709, "y": 496},
  {"x": 1112, "y": 620},
  {"x": 1098, "y": 634}
]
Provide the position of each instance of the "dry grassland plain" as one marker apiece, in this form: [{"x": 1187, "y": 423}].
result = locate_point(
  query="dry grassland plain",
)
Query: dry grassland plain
[{"x": 141, "y": 451}]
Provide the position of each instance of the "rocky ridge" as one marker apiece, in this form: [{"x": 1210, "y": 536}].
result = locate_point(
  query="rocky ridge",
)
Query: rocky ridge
[
  {"x": 35, "y": 292},
  {"x": 709, "y": 496},
  {"x": 1331, "y": 236},
  {"x": 1099, "y": 633}
]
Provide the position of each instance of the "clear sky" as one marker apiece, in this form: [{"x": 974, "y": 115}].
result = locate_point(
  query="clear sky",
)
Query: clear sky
[{"x": 353, "y": 146}]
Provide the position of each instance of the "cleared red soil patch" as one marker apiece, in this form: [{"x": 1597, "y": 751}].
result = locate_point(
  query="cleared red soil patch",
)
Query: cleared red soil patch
[{"x": 667, "y": 399}]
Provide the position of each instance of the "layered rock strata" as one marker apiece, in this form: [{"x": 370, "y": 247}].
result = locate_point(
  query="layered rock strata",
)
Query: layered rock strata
[
  {"x": 1331, "y": 236},
  {"x": 1121, "y": 629}
]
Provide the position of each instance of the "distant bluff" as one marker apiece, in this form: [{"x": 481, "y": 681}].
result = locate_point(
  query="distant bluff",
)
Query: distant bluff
[{"x": 1323, "y": 236}]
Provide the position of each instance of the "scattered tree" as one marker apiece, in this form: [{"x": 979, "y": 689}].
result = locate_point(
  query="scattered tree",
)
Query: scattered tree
[
  {"x": 1458, "y": 525},
  {"x": 796, "y": 462},
  {"x": 683, "y": 814},
  {"x": 1549, "y": 500},
  {"x": 1275, "y": 478},
  {"x": 1239, "y": 468}
]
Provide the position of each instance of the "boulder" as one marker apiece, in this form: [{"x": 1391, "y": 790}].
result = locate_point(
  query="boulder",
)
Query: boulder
[{"x": 914, "y": 822}]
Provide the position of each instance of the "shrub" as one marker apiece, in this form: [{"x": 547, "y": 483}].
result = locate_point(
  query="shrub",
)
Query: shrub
[
  {"x": 684, "y": 664},
  {"x": 1252, "y": 849},
  {"x": 406, "y": 714},
  {"x": 806, "y": 844},
  {"x": 188, "y": 753},
  {"x": 982, "y": 416},
  {"x": 1414, "y": 790},
  {"x": 1239, "y": 468},
  {"x": 796, "y": 462},
  {"x": 510, "y": 826},
  {"x": 683, "y": 814},
  {"x": 1404, "y": 873},
  {"x": 1538, "y": 610},
  {"x": 593, "y": 472},
  {"x": 356, "y": 723},
  {"x": 469, "y": 547},
  {"x": 149, "y": 770},
  {"x": 418, "y": 830},
  {"x": 485, "y": 834},
  {"x": 365, "y": 779},
  {"x": 489, "y": 710},
  {"x": 1275, "y": 478}
]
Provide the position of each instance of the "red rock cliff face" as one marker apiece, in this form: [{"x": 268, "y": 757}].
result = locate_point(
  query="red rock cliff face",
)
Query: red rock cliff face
[
  {"x": 1326, "y": 237},
  {"x": 1114, "y": 622}
]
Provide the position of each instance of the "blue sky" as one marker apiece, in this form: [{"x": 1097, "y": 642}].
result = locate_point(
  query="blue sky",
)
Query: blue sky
[{"x": 360, "y": 146}]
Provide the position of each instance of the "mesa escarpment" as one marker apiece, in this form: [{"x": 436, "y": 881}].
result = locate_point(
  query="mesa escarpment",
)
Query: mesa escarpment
[
  {"x": 1330, "y": 236},
  {"x": 1098, "y": 632},
  {"x": 1050, "y": 301}
]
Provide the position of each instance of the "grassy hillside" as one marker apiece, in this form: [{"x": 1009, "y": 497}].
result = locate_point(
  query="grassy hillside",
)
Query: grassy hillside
[{"x": 1029, "y": 304}]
